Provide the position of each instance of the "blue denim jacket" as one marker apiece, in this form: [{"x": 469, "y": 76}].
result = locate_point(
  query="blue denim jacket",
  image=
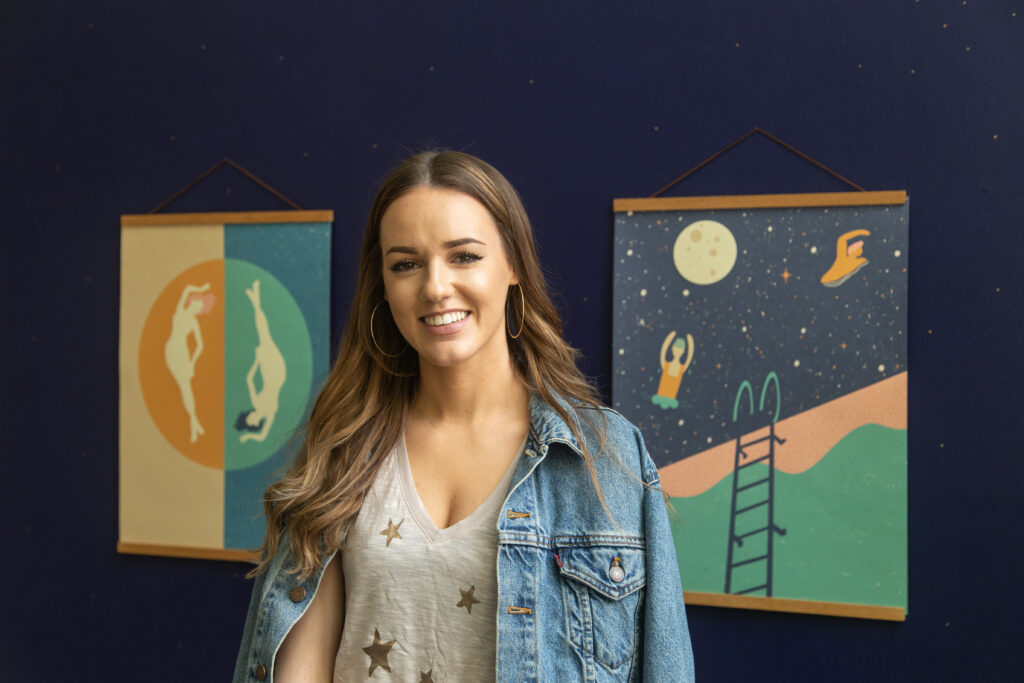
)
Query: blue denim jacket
[{"x": 581, "y": 596}]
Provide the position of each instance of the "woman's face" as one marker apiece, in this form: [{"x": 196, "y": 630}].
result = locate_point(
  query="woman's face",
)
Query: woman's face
[{"x": 446, "y": 277}]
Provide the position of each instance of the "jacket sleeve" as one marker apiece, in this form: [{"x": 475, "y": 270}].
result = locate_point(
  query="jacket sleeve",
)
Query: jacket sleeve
[
  {"x": 273, "y": 610},
  {"x": 242, "y": 662},
  {"x": 667, "y": 654}
]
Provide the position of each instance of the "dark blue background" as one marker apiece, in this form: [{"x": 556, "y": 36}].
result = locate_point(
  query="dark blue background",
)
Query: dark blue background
[{"x": 108, "y": 107}]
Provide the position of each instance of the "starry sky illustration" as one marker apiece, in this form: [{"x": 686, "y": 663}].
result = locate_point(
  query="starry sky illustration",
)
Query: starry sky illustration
[{"x": 771, "y": 313}]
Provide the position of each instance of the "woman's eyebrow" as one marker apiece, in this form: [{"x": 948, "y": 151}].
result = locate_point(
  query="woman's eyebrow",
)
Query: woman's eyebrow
[
  {"x": 401, "y": 250},
  {"x": 450, "y": 244}
]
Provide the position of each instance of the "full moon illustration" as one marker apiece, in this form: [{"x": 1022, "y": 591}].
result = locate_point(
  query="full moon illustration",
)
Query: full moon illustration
[{"x": 704, "y": 252}]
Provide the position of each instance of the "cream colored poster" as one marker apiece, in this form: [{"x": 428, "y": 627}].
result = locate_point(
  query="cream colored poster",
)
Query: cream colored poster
[{"x": 224, "y": 334}]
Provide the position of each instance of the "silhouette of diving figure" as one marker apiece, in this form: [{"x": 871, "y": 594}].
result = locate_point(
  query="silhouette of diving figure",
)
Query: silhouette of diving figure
[{"x": 255, "y": 424}]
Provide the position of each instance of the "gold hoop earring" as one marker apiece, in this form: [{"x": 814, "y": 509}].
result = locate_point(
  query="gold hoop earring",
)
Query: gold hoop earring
[
  {"x": 522, "y": 324},
  {"x": 373, "y": 337}
]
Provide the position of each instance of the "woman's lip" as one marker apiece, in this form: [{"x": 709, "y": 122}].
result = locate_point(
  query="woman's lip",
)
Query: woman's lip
[{"x": 450, "y": 328}]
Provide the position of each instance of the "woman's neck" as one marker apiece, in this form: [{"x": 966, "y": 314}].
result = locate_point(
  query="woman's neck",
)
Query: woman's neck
[{"x": 463, "y": 395}]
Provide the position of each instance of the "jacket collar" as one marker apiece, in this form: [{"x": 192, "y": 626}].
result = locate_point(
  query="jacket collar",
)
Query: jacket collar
[{"x": 547, "y": 427}]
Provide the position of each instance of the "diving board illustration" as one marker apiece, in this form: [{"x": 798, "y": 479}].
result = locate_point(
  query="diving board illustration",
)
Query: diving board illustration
[
  {"x": 224, "y": 338},
  {"x": 759, "y": 342}
]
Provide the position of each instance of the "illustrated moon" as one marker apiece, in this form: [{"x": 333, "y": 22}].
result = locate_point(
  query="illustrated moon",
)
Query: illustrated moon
[{"x": 704, "y": 252}]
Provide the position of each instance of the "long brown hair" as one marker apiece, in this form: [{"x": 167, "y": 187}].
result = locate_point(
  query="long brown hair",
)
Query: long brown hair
[{"x": 358, "y": 416}]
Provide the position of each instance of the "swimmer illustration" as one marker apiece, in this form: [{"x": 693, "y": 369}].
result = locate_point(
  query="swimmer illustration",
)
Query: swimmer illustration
[
  {"x": 270, "y": 364},
  {"x": 672, "y": 371},
  {"x": 848, "y": 259},
  {"x": 180, "y": 361}
]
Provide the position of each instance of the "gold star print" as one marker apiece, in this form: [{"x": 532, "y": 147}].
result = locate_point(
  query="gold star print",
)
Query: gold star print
[
  {"x": 378, "y": 653},
  {"x": 392, "y": 531},
  {"x": 467, "y": 600},
  {"x": 786, "y": 274},
  {"x": 427, "y": 677}
]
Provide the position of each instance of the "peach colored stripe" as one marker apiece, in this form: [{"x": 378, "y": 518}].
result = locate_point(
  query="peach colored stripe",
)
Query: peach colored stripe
[{"x": 809, "y": 436}]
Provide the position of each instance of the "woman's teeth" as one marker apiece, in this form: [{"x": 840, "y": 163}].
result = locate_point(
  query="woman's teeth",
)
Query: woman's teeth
[{"x": 444, "y": 318}]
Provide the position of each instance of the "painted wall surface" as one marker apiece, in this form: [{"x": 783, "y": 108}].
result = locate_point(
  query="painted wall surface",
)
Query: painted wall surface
[{"x": 107, "y": 107}]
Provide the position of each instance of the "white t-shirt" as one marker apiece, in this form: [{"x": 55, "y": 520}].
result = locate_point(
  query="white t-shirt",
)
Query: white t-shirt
[{"x": 420, "y": 602}]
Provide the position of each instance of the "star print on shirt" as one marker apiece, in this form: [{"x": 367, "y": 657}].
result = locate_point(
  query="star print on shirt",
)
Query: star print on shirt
[
  {"x": 467, "y": 600},
  {"x": 392, "y": 531},
  {"x": 427, "y": 677},
  {"x": 379, "y": 653}
]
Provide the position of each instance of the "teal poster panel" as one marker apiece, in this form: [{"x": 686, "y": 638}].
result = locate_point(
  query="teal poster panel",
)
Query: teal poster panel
[{"x": 277, "y": 286}]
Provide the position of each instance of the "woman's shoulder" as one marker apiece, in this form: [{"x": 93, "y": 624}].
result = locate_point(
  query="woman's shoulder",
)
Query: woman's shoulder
[{"x": 606, "y": 430}]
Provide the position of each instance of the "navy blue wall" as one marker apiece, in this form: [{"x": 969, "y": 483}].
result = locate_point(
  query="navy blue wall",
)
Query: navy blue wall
[{"x": 108, "y": 107}]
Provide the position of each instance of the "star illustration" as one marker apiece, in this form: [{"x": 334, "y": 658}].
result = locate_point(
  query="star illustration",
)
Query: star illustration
[
  {"x": 786, "y": 275},
  {"x": 378, "y": 653},
  {"x": 427, "y": 677},
  {"x": 467, "y": 600},
  {"x": 392, "y": 531}
]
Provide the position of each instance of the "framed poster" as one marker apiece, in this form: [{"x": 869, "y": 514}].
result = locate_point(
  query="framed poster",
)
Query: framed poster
[
  {"x": 760, "y": 343},
  {"x": 224, "y": 334}
]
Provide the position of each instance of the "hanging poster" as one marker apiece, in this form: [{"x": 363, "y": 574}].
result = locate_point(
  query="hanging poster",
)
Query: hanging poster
[
  {"x": 224, "y": 338},
  {"x": 760, "y": 343}
]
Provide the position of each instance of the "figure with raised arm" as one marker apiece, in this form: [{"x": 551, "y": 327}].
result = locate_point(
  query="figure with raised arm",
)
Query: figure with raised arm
[
  {"x": 181, "y": 362},
  {"x": 672, "y": 371}
]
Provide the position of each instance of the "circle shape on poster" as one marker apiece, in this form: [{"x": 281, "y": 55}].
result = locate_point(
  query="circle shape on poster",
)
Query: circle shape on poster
[
  {"x": 704, "y": 252},
  {"x": 181, "y": 363},
  {"x": 268, "y": 367},
  {"x": 225, "y": 364}
]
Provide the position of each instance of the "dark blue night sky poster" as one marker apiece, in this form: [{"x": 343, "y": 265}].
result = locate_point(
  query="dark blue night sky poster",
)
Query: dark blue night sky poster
[{"x": 760, "y": 345}]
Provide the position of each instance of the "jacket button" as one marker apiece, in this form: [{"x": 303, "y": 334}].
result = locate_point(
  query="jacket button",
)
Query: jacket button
[
  {"x": 297, "y": 594},
  {"x": 261, "y": 672},
  {"x": 616, "y": 573}
]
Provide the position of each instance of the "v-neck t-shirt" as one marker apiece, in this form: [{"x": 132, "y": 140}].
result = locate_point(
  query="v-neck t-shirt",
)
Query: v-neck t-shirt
[{"x": 420, "y": 602}]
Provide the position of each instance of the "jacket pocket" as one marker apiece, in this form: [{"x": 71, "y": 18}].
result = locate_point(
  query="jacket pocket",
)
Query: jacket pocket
[{"x": 603, "y": 590}]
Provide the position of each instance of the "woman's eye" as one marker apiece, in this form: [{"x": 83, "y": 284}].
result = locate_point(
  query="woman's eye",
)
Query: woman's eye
[
  {"x": 402, "y": 266},
  {"x": 467, "y": 257}
]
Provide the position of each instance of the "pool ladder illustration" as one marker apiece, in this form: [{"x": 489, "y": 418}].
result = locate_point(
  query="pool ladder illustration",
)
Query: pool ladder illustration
[{"x": 756, "y": 514}]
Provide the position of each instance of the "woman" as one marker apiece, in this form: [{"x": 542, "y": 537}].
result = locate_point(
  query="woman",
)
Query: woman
[{"x": 455, "y": 435}]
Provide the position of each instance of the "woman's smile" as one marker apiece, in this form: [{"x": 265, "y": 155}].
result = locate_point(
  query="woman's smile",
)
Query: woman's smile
[{"x": 445, "y": 323}]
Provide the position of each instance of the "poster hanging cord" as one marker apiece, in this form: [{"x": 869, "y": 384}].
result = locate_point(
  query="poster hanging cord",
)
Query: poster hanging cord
[
  {"x": 771, "y": 137},
  {"x": 162, "y": 205}
]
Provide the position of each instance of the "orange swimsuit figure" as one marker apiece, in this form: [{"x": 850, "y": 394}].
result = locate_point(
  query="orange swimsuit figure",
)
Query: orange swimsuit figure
[
  {"x": 849, "y": 259},
  {"x": 672, "y": 371}
]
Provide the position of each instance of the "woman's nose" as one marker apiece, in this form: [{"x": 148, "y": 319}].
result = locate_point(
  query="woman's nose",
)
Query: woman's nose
[{"x": 437, "y": 283}]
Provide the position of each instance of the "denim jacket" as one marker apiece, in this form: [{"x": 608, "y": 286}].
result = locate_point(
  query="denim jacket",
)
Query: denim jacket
[{"x": 581, "y": 596}]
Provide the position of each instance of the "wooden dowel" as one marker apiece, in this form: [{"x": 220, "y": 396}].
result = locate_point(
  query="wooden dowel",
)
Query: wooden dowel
[
  {"x": 226, "y": 217},
  {"x": 185, "y": 551},
  {"x": 831, "y": 609},
  {"x": 761, "y": 201}
]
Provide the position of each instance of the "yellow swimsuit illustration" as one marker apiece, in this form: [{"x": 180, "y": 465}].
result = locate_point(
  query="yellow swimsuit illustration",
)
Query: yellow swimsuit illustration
[
  {"x": 848, "y": 259},
  {"x": 672, "y": 371}
]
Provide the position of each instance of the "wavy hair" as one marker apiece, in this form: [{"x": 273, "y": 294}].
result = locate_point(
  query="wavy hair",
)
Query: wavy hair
[{"x": 358, "y": 415}]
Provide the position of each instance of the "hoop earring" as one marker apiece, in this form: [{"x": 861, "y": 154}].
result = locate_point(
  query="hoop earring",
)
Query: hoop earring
[
  {"x": 522, "y": 324},
  {"x": 374, "y": 338}
]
